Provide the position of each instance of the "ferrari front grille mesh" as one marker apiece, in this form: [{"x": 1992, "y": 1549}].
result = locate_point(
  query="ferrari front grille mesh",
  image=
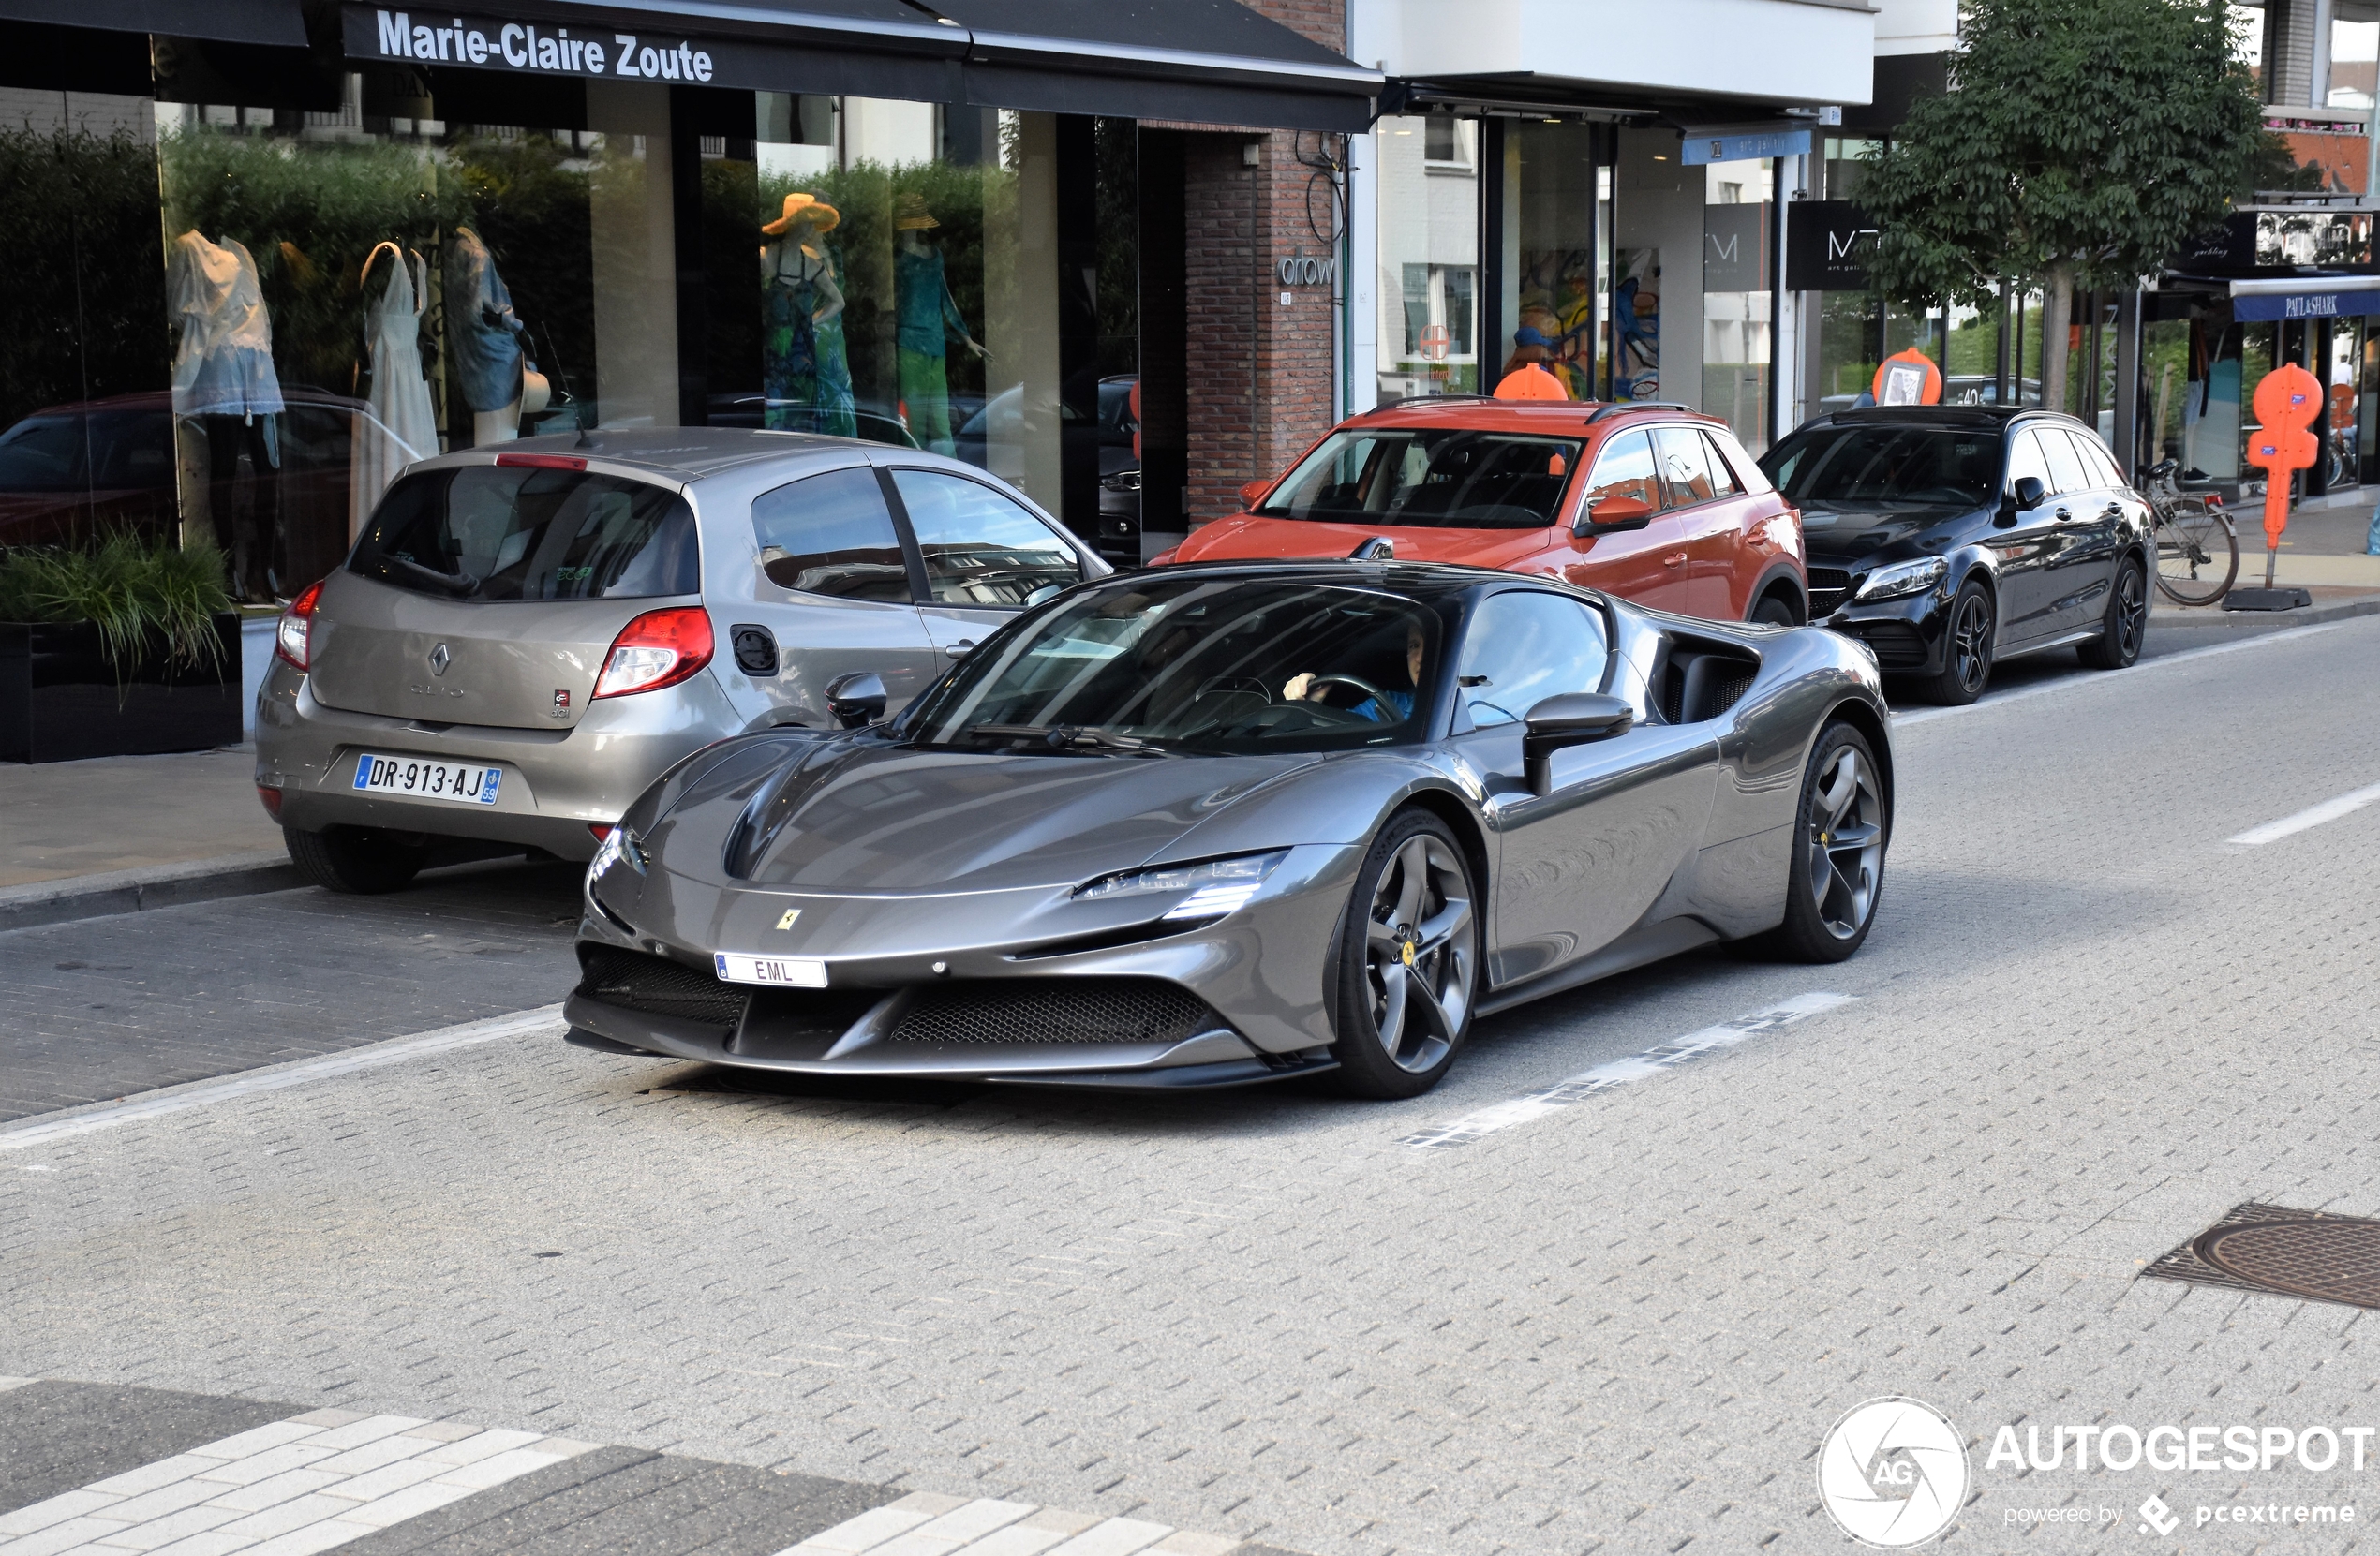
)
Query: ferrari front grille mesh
[
  {"x": 1828, "y": 587},
  {"x": 1057, "y": 1010},
  {"x": 655, "y": 986}
]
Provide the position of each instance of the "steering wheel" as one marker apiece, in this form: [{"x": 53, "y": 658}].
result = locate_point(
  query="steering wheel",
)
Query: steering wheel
[{"x": 1356, "y": 681}]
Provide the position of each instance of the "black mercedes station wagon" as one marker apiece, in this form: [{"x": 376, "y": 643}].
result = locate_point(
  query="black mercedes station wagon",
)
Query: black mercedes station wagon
[{"x": 1948, "y": 538}]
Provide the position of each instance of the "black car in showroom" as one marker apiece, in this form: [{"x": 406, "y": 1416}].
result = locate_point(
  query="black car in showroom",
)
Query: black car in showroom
[{"x": 1950, "y": 538}]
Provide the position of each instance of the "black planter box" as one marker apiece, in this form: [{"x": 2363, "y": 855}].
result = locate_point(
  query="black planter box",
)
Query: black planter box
[{"x": 62, "y": 700}]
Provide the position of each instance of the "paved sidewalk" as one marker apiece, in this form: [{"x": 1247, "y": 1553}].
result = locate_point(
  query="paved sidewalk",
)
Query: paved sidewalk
[{"x": 69, "y": 819}]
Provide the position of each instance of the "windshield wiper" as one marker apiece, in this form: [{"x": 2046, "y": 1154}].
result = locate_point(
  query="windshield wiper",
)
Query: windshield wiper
[
  {"x": 1063, "y": 735},
  {"x": 460, "y": 585}
]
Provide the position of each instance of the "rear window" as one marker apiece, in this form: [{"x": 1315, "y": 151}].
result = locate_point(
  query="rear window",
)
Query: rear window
[
  {"x": 503, "y": 532},
  {"x": 1434, "y": 478}
]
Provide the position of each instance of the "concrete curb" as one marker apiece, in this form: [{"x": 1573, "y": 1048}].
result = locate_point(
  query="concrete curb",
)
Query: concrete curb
[
  {"x": 2216, "y": 622},
  {"x": 79, "y": 896}
]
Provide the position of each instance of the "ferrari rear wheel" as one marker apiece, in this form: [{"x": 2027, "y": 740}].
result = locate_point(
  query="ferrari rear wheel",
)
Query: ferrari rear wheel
[{"x": 1407, "y": 961}]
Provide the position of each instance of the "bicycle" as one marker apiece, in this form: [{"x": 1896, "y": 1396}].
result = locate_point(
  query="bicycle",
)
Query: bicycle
[{"x": 2197, "y": 548}]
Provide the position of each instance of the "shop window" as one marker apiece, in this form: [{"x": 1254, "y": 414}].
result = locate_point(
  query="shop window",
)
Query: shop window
[
  {"x": 900, "y": 296},
  {"x": 1553, "y": 207},
  {"x": 1429, "y": 248},
  {"x": 1737, "y": 272}
]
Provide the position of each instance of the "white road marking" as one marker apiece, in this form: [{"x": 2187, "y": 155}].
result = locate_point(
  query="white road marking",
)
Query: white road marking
[
  {"x": 2077, "y": 681},
  {"x": 309, "y": 1483},
  {"x": 1619, "y": 1072},
  {"x": 922, "y": 1523},
  {"x": 2329, "y": 810},
  {"x": 375, "y": 1056}
]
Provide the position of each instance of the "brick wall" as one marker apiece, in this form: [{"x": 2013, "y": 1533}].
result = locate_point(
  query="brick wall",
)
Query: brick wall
[{"x": 1261, "y": 375}]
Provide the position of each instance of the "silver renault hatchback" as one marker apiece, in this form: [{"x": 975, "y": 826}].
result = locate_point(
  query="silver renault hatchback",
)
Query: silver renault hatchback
[{"x": 525, "y": 637}]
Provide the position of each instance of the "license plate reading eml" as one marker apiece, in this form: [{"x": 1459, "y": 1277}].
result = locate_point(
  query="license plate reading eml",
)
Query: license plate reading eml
[
  {"x": 782, "y": 972},
  {"x": 416, "y": 778}
]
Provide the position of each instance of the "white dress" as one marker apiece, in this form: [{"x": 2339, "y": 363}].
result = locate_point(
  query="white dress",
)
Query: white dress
[
  {"x": 223, "y": 361},
  {"x": 401, "y": 426}
]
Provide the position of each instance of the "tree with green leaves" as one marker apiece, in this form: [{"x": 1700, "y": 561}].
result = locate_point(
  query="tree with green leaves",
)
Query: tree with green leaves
[{"x": 2080, "y": 143}]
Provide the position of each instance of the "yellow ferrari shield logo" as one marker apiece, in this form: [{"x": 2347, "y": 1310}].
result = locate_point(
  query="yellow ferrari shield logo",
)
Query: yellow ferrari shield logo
[
  {"x": 787, "y": 922},
  {"x": 1408, "y": 952}
]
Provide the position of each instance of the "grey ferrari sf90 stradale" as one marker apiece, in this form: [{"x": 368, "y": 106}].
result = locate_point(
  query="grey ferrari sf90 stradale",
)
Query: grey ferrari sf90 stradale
[{"x": 1210, "y": 825}]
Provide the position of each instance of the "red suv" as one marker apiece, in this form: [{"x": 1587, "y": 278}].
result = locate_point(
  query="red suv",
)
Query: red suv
[{"x": 1655, "y": 503}]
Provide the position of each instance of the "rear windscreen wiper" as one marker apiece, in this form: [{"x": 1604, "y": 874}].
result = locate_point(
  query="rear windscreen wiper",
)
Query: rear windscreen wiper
[{"x": 457, "y": 584}]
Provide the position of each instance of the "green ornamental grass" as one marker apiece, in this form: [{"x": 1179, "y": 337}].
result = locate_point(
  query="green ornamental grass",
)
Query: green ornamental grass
[{"x": 140, "y": 596}]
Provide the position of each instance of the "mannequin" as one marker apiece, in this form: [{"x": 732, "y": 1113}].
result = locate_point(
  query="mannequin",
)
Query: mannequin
[
  {"x": 402, "y": 426},
  {"x": 488, "y": 341},
  {"x": 224, "y": 380},
  {"x": 806, "y": 378},
  {"x": 929, "y": 320}
]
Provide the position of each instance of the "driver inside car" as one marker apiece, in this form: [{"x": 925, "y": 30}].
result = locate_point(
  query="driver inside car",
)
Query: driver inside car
[{"x": 1301, "y": 688}]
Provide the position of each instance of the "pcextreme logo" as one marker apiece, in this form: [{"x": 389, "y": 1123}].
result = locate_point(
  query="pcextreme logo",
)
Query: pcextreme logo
[{"x": 1893, "y": 1473}]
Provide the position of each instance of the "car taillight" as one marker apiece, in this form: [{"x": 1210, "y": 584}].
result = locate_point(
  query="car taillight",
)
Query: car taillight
[
  {"x": 601, "y": 829},
  {"x": 657, "y": 649},
  {"x": 271, "y": 798},
  {"x": 541, "y": 461},
  {"x": 295, "y": 640}
]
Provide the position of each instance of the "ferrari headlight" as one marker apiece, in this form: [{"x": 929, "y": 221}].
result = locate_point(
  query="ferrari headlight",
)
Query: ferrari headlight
[
  {"x": 618, "y": 845},
  {"x": 1216, "y": 887},
  {"x": 1904, "y": 578}
]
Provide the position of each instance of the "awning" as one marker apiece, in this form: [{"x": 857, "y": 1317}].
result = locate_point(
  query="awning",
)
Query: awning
[
  {"x": 274, "y": 23},
  {"x": 1203, "y": 61},
  {"x": 2305, "y": 297}
]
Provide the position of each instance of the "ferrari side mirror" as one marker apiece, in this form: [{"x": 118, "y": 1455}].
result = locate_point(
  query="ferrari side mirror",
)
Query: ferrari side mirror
[
  {"x": 1573, "y": 719},
  {"x": 1252, "y": 493},
  {"x": 857, "y": 699}
]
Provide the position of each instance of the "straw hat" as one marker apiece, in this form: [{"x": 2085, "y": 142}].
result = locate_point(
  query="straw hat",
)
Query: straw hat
[
  {"x": 822, "y": 216},
  {"x": 913, "y": 217}
]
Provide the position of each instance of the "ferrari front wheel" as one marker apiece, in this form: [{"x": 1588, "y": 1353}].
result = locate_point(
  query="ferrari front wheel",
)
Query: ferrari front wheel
[{"x": 1407, "y": 961}]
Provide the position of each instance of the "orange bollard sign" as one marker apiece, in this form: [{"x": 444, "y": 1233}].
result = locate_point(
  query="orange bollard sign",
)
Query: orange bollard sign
[{"x": 2288, "y": 402}]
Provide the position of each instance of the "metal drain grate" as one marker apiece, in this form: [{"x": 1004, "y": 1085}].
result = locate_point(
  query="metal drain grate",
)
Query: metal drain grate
[{"x": 2283, "y": 1252}]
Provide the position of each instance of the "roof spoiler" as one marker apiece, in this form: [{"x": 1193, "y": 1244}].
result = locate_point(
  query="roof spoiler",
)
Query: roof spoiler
[{"x": 1379, "y": 548}]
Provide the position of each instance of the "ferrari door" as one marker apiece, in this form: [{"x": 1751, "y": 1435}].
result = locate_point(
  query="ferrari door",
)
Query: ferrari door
[{"x": 1581, "y": 863}]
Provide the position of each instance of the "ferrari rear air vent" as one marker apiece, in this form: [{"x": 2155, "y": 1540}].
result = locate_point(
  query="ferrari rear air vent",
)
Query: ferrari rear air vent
[
  {"x": 1702, "y": 680},
  {"x": 1057, "y": 1010}
]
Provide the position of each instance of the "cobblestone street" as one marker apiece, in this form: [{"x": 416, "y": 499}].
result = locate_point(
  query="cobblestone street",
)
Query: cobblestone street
[{"x": 2085, "y": 1028}]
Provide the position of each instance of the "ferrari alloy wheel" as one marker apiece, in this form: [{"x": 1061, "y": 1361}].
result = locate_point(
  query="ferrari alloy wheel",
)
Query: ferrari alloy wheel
[
  {"x": 1408, "y": 961},
  {"x": 1837, "y": 867}
]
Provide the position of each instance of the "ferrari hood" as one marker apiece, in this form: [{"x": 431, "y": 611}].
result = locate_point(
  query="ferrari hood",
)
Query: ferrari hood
[{"x": 866, "y": 818}]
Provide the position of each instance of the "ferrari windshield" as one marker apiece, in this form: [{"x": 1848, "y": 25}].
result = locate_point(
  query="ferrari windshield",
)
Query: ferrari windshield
[
  {"x": 1196, "y": 664},
  {"x": 1867, "y": 463},
  {"x": 1435, "y": 477}
]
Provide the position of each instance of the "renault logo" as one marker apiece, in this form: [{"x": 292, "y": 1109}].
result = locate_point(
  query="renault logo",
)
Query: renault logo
[{"x": 439, "y": 660}]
